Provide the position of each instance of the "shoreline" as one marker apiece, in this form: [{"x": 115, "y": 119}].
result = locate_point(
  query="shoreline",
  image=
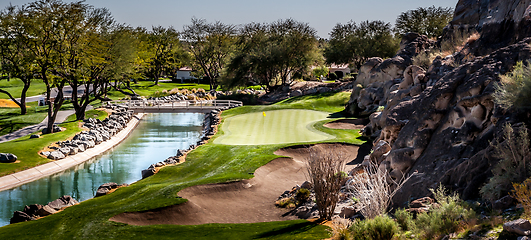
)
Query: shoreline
[{"x": 29, "y": 175}]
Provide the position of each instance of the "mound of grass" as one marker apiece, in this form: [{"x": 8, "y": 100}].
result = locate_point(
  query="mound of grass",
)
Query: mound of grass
[
  {"x": 27, "y": 149},
  {"x": 210, "y": 163},
  {"x": 273, "y": 127}
]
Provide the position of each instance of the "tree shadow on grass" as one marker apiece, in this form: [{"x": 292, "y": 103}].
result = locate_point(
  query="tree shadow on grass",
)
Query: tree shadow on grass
[{"x": 288, "y": 231}]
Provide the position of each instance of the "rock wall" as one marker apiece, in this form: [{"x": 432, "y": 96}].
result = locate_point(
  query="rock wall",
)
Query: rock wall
[{"x": 439, "y": 121}]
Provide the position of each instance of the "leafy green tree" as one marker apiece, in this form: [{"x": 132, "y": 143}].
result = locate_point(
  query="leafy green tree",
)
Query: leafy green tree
[
  {"x": 211, "y": 45},
  {"x": 271, "y": 53},
  {"x": 16, "y": 60},
  {"x": 428, "y": 21},
  {"x": 351, "y": 43},
  {"x": 41, "y": 21},
  {"x": 165, "y": 51}
]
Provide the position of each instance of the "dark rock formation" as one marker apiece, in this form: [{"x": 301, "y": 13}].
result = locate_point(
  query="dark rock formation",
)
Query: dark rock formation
[
  {"x": 35, "y": 211},
  {"x": 105, "y": 188},
  {"x": 7, "y": 158},
  {"x": 439, "y": 121}
]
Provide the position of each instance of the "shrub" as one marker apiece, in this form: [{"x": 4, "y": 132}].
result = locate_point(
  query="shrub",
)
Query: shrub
[
  {"x": 513, "y": 151},
  {"x": 302, "y": 195},
  {"x": 378, "y": 228},
  {"x": 162, "y": 93},
  {"x": 324, "y": 169},
  {"x": 449, "y": 217},
  {"x": 286, "y": 203},
  {"x": 514, "y": 90},
  {"x": 340, "y": 228},
  {"x": 374, "y": 193},
  {"x": 522, "y": 193},
  {"x": 404, "y": 219}
]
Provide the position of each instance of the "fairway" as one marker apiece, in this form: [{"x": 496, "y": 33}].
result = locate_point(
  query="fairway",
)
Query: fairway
[{"x": 276, "y": 127}]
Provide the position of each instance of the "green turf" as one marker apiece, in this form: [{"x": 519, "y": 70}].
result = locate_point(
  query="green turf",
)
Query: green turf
[
  {"x": 210, "y": 163},
  {"x": 276, "y": 127},
  {"x": 15, "y": 85}
]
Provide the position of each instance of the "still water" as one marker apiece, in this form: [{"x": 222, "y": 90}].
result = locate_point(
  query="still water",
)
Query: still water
[{"x": 157, "y": 137}]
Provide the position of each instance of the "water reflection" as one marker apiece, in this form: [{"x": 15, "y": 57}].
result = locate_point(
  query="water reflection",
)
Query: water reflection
[{"x": 157, "y": 137}]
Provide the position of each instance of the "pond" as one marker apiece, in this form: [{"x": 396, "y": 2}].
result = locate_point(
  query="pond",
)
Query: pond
[{"x": 157, "y": 137}]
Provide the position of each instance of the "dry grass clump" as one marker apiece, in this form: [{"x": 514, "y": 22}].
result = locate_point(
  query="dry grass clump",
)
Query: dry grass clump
[
  {"x": 514, "y": 90},
  {"x": 339, "y": 229},
  {"x": 372, "y": 189},
  {"x": 522, "y": 193}
]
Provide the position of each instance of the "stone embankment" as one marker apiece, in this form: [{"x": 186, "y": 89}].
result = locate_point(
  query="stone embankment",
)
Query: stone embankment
[
  {"x": 99, "y": 131},
  {"x": 82, "y": 141}
]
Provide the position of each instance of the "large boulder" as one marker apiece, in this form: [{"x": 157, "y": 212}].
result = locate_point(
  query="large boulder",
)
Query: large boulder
[
  {"x": 520, "y": 226},
  {"x": 62, "y": 202},
  {"x": 56, "y": 155},
  {"x": 7, "y": 158},
  {"x": 19, "y": 216}
]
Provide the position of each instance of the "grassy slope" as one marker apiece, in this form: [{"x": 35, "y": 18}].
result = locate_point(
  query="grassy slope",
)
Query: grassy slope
[
  {"x": 210, "y": 163},
  {"x": 146, "y": 88},
  {"x": 27, "y": 149}
]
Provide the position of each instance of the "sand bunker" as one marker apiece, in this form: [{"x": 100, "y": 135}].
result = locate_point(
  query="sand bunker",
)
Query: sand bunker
[
  {"x": 348, "y": 123},
  {"x": 246, "y": 201}
]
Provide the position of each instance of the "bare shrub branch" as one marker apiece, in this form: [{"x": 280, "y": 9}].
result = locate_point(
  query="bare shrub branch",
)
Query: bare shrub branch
[
  {"x": 325, "y": 170},
  {"x": 370, "y": 186}
]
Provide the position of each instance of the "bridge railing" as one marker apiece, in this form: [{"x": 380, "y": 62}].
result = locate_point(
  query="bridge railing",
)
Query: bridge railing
[{"x": 183, "y": 104}]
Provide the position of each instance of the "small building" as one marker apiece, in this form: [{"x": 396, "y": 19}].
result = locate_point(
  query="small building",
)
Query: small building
[
  {"x": 183, "y": 74},
  {"x": 340, "y": 70}
]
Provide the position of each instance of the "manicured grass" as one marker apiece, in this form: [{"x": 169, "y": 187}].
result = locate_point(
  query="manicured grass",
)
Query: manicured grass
[
  {"x": 146, "y": 88},
  {"x": 276, "y": 127},
  {"x": 15, "y": 85},
  {"x": 210, "y": 163},
  {"x": 11, "y": 120},
  {"x": 27, "y": 149}
]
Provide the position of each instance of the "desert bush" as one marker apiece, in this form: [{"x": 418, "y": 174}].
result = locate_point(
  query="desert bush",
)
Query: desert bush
[
  {"x": 513, "y": 151},
  {"x": 514, "y": 89},
  {"x": 371, "y": 187},
  {"x": 522, "y": 193},
  {"x": 174, "y": 91},
  {"x": 449, "y": 217},
  {"x": 340, "y": 228},
  {"x": 404, "y": 219},
  {"x": 162, "y": 93},
  {"x": 302, "y": 195},
  {"x": 324, "y": 170},
  {"x": 286, "y": 203},
  {"x": 379, "y": 228}
]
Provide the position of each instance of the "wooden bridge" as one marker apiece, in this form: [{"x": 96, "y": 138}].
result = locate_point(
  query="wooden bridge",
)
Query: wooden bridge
[{"x": 159, "y": 106}]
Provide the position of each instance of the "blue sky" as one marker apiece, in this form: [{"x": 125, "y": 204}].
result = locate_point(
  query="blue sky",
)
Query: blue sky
[{"x": 321, "y": 15}]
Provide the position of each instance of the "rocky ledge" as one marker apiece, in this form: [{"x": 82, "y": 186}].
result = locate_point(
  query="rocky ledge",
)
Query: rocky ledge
[{"x": 99, "y": 131}]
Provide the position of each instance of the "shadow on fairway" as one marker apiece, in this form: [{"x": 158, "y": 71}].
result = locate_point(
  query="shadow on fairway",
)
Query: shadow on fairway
[{"x": 288, "y": 231}]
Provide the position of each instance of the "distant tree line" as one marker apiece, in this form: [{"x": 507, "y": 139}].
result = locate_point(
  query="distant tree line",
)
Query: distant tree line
[{"x": 77, "y": 45}]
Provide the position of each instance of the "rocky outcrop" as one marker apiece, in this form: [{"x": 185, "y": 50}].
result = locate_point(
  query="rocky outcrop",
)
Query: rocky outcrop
[
  {"x": 305, "y": 88},
  {"x": 377, "y": 79},
  {"x": 36, "y": 211},
  {"x": 99, "y": 131},
  {"x": 500, "y": 23}
]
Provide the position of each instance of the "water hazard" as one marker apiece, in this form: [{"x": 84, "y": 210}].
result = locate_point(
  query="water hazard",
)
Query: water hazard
[{"x": 157, "y": 137}]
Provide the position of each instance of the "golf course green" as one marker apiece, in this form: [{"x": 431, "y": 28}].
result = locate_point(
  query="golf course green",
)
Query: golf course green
[{"x": 273, "y": 127}]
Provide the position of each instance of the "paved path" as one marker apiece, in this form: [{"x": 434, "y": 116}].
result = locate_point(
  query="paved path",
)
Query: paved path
[
  {"x": 32, "y": 174},
  {"x": 61, "y": 117}
]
